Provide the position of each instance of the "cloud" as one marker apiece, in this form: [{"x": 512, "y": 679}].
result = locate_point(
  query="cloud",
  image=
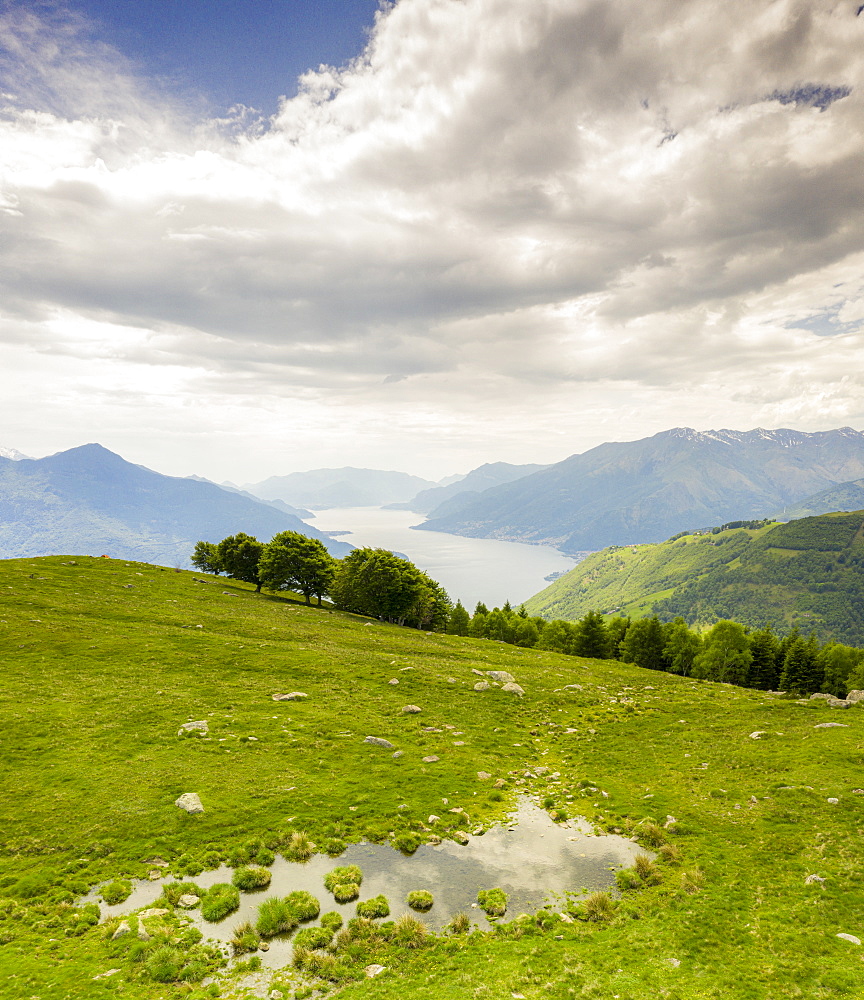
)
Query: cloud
[{"x": 498, "y": 200}]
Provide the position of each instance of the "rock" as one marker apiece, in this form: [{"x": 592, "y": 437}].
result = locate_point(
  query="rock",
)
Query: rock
[
  {"x": 433, "y": 819},
  {"x": 227, "y": 593},
  {"x": 839, "y": 703},
  {"x": 482, "y": 686},
  {"x": 478, "y": 832},
  {"x": 264, "y": 946},
  {"x": 376, "y": 741},
  {"x": 154, "y": 874},
  {"x": 479, "y": 673},
  {"x": 833, "y": 801},
  {"x": 670, "y": 821},
  {"x": 674, "y": 962},
  {"x": 820, "y": 695},
  {"x": 432, "y": 759},
  {"x": 831, "y": 725},
  {"x": 484, "y": 775},
  {"x": 123, "y": 929},
  {"x": 193, "y": 728},
  {"x": 566, "y": 918},
  {"x": 500, "y": 783},
  {"x": 110, "y": 972},
  {"x": 758, "y": 734},
  {"x": 459, "y": 743},
  {"x": 188, "y": 901},
  {"x": 461, "y": 838},
  {"x": 850, "y": 938},
  {"x": 275, "y": 995},
  {"x": 153, "y": 912},
  {"x": 855, "y": 696},
  {"x": 411, "y": 709},
  {"x": 393, "y": 681},
  {"x": 813, "y": 879},
  {"x": 513, "y": 688},
  {"x": 367, "y": 623},
  {"x": 502, "y": 676},
  {"x": 398, "y": 754},
  {"x": 291, "y": 696},
  {"x": 451, "y": 680},
  {"x": 190, "y": 802},
  {"x": 142, "y": 933},
  {"x": 374, "y": 970}
]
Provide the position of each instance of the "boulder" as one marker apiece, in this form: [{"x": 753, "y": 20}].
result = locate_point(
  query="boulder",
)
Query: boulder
[
  {"x": 291, "y": 696},
  {"x": 152, "y": 912},
  {"x": 501, "y": 676},
  {"x": 123, "y": 929},
  {"x": 411, "y": 709},
  {"x": 376, "y": 741},
  {"x": 850, "y": 938},
  {"x": 513, "y": 688},
  {"x": 461, "y": 838},
  {"x": 188, "y": 901},
  {"x": 433, "y": 819},
  {"x": 839, "y": 703},
  {"x": 813, "y": 880},
  {"x": 374, "y": 970},
  {"x": 393, "y": 681},
  {"x": 398, "y": 754},
  {"x": 855, "y": 696},
  {"x": 500, "y": 783},
  {"x": 820, "y": 695},
  {"x": 482, "y": 686},
  {"x": 758, "y": 734},
  {"x": 142, "y": 933},
  {"x": 483, "y": 775},
  {"x": 190, "y": 802},
  {"x": 432, "y": 759},
  {"x": 194, "y": 728},
  {"x": 479, "y": 673},
  {"x": 831, "y": 725}
]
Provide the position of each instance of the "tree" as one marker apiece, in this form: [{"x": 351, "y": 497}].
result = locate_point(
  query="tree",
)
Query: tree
[
  {"x": 643, "y": 644},
  {"x": 527, "y": 633},
  {"x": 725, "y": 654},
  {"x": 838, "y": 662},
  {"x": 555, "y": 637},
  {"x": 291, "y": 561},
  {"x": 238, "y": 556},
  {"x": 432, "y": 608},
  {"x": 459, "y": 620},
  {"x": 206, "y": 558},
  {"x": 764, "y": 667},
  {"x": 800, "y": 670},
  {"x": 681, "y": 647},
  {"x": 616, "y": 629},
  {"x": 590, "y": 637}
]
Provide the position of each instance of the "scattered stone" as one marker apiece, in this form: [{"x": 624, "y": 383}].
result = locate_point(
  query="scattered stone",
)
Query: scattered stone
[
  {"x": 193, "y": 728},
  {"x": 433, "y": 819},
  {"x": 855, "y": 696},
  {"x": 818, "y": 694},
  {"x": 479, "y": 673},
  {"x": 142, "y": 933},
  {"x": 512, "y": 688},
  {"x": 461, "y": 838},
  {"x": 451, "y": 680},
  {"x": 858, "y": 791},
  {"x": 411, "y": 709},
  {"x": 190, "y": 802},
  {"x": 813, "y": 879},
  {"x": 482, "y": 686},
  {"x": 839, "y": 703},
  {"x": 484, "y": 775},
  {"x": 432, "y": 759},
  {"x": 188, "y": 901},
  {"x": 850, "y": 938},
  {"x": 152, "y": 912},
  {"x": 123, "y": 929},
  {"x": 110, "y": 972},
  {"x": 754, "y": 801},
  {"x": 833, "y": 801},
  {"x": 291, "y": 696},
  {"x": 500, "y": 783},
  {"x": 154, "y": 874},
  {"x": 228, "y": 593},
  {"x": 275, "y": 995},
  {"x": 831, "y": 725},
  {"x": 367, "y": 623},
  {"x": 758, "y": 734},
  {"x": 393, "y": 681},
  {"x": 670, "y": 821},
  {"x": 374, "y": 970},
  {"x": 398, "y": 754},
  {"x": 478, "y": 832},
  {"x": 542, "y": 770},
  {"x": 674, "y": 962},
  {"x": 378, "y": 742},
  {"x": 566, "y": 918},
  {"x": 502, "y": 676},
  {"x": 458, "y": 743}
]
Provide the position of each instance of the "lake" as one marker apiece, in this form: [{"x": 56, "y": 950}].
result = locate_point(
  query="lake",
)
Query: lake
[{"x": 469, "y": 569}]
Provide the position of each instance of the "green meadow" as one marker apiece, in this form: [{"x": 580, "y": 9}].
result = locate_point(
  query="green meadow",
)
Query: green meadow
[{"x": 104, "y": 661}]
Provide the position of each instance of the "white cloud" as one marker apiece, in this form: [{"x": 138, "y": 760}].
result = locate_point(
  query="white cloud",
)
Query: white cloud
[{"x": 509, "y": 226}]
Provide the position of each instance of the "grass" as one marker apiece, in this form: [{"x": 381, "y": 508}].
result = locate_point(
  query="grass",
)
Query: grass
[
  {"x": 420, "y": 899},
  {"x": 373, "y": 908},
  {"x": 219, "y": 900},
  {"x": 493, "y": 902},
  {"x": 98, "y": 677}
]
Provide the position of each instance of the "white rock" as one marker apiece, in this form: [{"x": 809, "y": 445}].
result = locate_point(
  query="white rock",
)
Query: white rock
[
  {"x": 831, "y": 725},
  {"x": 850, "y": 938},
  {"x": 432, "y": 759},
  {"x": 187, "y": 901},
  {"x": 190, "y": 802},
  {"x": 393, "y": 681},
  {"x": 855, "y": 696},
  {"x": 374, "y": 970},
  {"x": 411, "y": 709},
  {"x": 833, "y": 801},
  {"x": 482, "y": 686},
  {"x": 758, "y": 734},
  {"x": 377, "y": 741},
  {"x": 502, "y": 676},
  {"x": 433, "y": 819},
  {"x": 192, "y": 728},
  {"x": 813, "y": 880},
  {"x": 291, "y": 696},
  {"x": 513, "y": 688},
  {"x": 122, "y": 930},
  {"x": 483, "y": 775}
]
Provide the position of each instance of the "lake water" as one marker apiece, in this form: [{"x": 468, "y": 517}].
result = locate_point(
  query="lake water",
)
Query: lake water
[
  {"x": 534, "y": 860},
  {"x": 469, "y": 569}
]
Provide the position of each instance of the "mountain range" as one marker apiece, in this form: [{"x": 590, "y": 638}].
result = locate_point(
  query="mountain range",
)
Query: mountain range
[
  {"x": 449, "y": 498},
  {"x": 647, "y": 490},
  {"x": 89, "y": 501},
  {"x": 346, "y": 487}
]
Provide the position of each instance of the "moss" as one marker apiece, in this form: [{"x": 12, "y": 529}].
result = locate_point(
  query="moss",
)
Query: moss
[
  {"x": 493, "y": 902},
  {"x": 245, "y": 938},
  {"x": 313, "y": 938},
  {"x": 251, "y": 877},
  {"x": 275, "y": 916},
  {"x": 342, "y": 874},
  {"x": 420, "y": 899},
  {"x": 344, "y": 892},
  {"x": 373, "y": 908},
  {"x": 219, "y": 900},
  {"x": 304, "y": 904},
  {"x": 116, "y": 891}
]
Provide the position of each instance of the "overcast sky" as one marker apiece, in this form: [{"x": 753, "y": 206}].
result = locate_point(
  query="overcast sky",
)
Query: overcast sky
[{"x": 491, "y": 230}]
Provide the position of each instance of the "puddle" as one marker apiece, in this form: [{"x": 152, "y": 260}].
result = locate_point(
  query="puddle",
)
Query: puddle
[{"x": 536, "y": 861}]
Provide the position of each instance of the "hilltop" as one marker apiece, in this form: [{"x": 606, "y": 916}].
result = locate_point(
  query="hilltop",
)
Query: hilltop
[
  {"x": 739, "y": 796},
  {"x": 806, "y": 573},
  {"x": 622, "y": 493}
]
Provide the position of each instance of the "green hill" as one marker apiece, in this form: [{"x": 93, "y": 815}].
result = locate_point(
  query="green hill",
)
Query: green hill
[
  {"x": 735, "y": 794},
  {"x": 808, "y": 573}
]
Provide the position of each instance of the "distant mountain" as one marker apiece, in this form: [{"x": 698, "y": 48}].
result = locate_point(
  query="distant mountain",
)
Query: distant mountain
[
  {"x": 445, "y": 500},
  {"x": 340, "y": 488},
  {"x": 645, "y": 491},
  {"x": 12, "y": 453},
  {"x": 844, "y": 496},
  {"x": 300, "y": 512},
  {"x": 89, "y": 501},
  {"x": 807, "y": 573}
]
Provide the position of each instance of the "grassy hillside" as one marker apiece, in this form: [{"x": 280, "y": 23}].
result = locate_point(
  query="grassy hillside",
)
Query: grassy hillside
[
  {"x": 103, "y": 660},
  {"x": 808, "y": 573}
]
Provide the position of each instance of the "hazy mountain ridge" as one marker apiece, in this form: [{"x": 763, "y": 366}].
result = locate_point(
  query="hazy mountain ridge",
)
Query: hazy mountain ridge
[
  {"x": 807, "y": 572},
  {"x": 647, "y": 490},
  {"x": 843, "y": 497},
  {"x": 448, "y": 499},
  {"x": 89, "y": 501},
  {"x": 346, "y": 487}
]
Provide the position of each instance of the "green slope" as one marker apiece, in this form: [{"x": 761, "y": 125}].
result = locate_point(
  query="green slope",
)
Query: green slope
[
  {"x": 103, "y": 660},
  {"x": 808, "y": 573}
]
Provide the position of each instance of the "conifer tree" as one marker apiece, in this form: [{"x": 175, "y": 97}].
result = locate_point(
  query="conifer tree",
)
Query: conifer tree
[
  {"x": 765, "y": 666},
  {"x": 459, "y": 620}
]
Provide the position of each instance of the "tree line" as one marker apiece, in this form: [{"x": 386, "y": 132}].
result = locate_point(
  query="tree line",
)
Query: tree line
[{"x": 377, "y": 583}]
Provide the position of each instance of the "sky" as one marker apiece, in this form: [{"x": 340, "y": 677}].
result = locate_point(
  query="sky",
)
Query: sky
[{"x": 246, "y": 238}]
